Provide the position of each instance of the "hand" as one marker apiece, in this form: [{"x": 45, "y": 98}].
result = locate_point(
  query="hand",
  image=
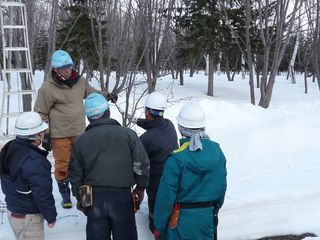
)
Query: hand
[
  {"x": 157, "y": 235},
  {"x": 81, "y": 208},
  {"x": 112, "y": 97},
  {"x": 132, "y": 119},
  {"x": 51, "y": 225},
  {"x": 46, "y": 142},
  {"x": 138, "y": 195}
]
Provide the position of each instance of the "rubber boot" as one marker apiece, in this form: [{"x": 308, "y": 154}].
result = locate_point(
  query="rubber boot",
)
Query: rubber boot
[{"x": 65, "y": 193}]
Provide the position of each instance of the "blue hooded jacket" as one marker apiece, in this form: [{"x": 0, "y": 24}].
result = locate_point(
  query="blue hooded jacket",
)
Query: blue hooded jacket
[{"x": 26, "y": 179}]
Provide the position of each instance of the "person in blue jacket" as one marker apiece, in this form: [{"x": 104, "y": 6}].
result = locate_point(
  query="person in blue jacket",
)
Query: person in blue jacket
[
  {"x": 159, "y": 140},
  {"x": 193, "y": 182},
  {"x": 26, "y": 179}
]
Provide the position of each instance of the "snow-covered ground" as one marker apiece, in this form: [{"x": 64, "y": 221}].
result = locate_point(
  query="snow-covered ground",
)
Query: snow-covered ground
[{"x": 272, "y": 159}]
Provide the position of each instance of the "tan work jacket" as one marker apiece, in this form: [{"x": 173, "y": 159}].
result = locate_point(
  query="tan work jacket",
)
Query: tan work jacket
[{"x": 62, "y": 107}]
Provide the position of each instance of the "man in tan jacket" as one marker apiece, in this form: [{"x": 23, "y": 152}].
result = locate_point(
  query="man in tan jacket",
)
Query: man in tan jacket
[{"x": 60, "y": 103}]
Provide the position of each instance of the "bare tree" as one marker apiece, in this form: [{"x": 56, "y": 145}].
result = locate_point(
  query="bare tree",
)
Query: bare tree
[
  {"x": 97, "y": 9},
  {"x": 305, "y": 55},
  {"x": 244, "y": 44},
  {"x": 249, "y": 51},
  {"x": 155, "y": 34},
  {"x": 275, "y": 32},
  {"x": 316, "y": 42}
]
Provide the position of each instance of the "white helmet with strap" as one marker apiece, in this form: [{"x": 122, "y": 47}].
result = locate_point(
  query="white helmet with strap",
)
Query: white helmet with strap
[
  {"x": 29, "y": 123},
  {"x": 191, "y": 116}
]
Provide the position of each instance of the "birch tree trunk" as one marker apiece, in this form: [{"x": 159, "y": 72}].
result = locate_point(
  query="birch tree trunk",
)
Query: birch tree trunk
[
  {"x": 207, "y": 64},
  {"x": 211, "y": 73},
  {"x": 291, "y": 74},
  {"x": 219, "y": 64},
  {"x": 243, "y": 67}
]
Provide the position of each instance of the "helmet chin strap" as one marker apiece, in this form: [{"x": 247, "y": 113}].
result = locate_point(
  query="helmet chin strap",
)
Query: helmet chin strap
[
  {"x": 37, "y": 140},
  {"x": 60, "y": 76}
]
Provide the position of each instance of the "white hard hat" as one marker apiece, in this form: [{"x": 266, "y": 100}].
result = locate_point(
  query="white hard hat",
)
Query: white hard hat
[
  {"x": 191, "y": 116},
  {"x": 156, "y": 101},
  {"x": 29, "y": 123}
]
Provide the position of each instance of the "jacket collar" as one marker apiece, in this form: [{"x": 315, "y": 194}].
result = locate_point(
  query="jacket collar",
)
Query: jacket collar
[
  {"x": 184, "y": 140},
  {"x": 27, "y": 143},
  {"x": 68, "y": 82},
  {"x": 151, "y": 124},
  {"x": 102, "y": 121}
]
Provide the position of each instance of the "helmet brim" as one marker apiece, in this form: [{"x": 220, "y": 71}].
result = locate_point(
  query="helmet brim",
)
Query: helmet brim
[{"x": 31, "y": 131}]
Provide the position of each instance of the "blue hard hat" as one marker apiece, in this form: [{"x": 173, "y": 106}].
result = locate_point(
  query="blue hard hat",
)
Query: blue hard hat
[
  {"x": 95, "y": 105},
  {"x": 61, "y": 59}
]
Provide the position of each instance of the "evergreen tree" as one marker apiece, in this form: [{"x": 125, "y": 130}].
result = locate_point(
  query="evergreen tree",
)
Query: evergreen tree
[{"x": 75, "y": 35}]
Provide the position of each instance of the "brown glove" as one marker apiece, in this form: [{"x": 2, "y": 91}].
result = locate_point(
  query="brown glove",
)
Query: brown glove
[
  {"x": 46, "y": 142},
  {"x": 138, "y": 195},
  {"x": 112, "y": 97}
]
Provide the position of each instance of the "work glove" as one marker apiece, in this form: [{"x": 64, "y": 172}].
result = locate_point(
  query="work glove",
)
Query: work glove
[
  {"x": 132, "y": 119},
  {"x": 112, "y": 97},
  {"x": 157, "y": 235},
  {"x": 46, "y": 142},
  {"x": 138, "y": 195}
]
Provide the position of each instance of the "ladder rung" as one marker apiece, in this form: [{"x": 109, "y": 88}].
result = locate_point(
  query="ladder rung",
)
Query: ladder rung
[
  {"x": 12, "y": 114},
  {"x": 20, "y": 92},
  {"x": 16, "y": 49},
  {"x": 17, "y": 70},
  {"x": 12, "y": 4},
  {"x": 14, "y": 26},
  {"x": 7, "y": 137}
]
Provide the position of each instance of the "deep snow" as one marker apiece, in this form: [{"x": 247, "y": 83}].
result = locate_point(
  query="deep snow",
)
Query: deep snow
[{"x": 272, "y": 158}]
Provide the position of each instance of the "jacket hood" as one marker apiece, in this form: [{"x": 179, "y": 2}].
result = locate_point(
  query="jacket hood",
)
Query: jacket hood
[
  {"x": 13, "y": 155},
  {"x": 200, "y": 161},
  {"x": 68, "y": 83}
]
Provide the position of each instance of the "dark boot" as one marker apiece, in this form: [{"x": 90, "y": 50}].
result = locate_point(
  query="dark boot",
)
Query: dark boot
[{"x": 65, "y": 193}]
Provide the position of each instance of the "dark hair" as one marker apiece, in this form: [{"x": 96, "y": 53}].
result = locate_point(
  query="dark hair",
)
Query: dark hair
[{"x": 156, "y": 114}]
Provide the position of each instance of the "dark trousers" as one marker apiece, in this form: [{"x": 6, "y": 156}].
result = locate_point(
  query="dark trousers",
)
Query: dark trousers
[
  {"x": 152, "y": 195},
  {"x": 111, "y": 213}
]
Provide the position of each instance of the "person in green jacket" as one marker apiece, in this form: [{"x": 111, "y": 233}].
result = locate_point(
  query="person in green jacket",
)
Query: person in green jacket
[{"x": 193, "y": 182}]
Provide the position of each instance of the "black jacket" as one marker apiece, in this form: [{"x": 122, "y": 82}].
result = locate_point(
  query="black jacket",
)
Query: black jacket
[
  {"x": 108, "y": 155},
  {"x": 159, "y": 140},
  {"x": 26, "y": 179}
]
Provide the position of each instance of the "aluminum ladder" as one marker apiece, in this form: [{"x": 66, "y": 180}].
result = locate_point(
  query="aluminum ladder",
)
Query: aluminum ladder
[{"x": 17, "y": 77}]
